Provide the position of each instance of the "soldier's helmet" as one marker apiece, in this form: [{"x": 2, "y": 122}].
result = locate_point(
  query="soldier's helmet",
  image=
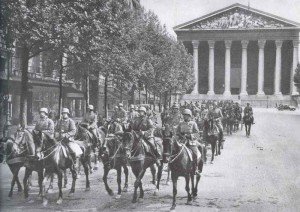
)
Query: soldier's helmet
[
  {"x": 187, "y": 112},
  {"x": 120, "y": 104},
  {"x": 132, "y": 107},
  {"x": 116, "y": 107},
  {"x": 118, "y": 120},
  {"x": 65, "y": 110},
  {"x": 91, "y": 107},
  {"x": 143, "y": 109},
  {"x": 44, "y": 110}
]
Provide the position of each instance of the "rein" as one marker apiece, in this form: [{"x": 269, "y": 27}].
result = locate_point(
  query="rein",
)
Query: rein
[{"x": 176, "y": 156}]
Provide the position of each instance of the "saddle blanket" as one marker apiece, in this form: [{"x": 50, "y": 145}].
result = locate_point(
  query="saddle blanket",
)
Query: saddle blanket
[{"x": 75, "y": 148}]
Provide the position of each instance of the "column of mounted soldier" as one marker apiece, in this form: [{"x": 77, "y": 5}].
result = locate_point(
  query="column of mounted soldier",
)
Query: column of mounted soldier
[{"x": 132, "y": 138}]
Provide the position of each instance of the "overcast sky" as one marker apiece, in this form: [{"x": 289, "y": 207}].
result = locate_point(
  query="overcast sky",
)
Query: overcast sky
[{"x": 175, "y": 12}]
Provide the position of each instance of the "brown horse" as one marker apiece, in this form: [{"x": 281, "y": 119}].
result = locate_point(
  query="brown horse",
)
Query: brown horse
[
  {"x": 181, "y": 164},
  {"x": 113, "y": 156},
  {"x": 54, "y": 157},
  {"x": 140, "y": 159},
  {"x": 15, "y": 153},
  {"x": 210, "y": 135}
]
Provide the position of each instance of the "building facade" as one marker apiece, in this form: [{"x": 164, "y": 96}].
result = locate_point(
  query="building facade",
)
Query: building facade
[{"x": 242, "y": 54}]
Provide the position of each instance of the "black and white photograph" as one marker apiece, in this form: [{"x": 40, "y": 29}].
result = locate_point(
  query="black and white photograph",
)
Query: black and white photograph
[{"x": 149, "y": 105}]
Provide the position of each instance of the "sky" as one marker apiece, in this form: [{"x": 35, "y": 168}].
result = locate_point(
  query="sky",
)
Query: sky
[{"x": 175, "y": 12}]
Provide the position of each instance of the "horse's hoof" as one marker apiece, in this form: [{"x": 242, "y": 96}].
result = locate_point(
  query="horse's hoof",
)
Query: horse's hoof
[
  {"x": 141, "y": 200},
  {"x": 20, "y": 190},
  {"x": 71, "y": 194},
  {"x": 118, "y": 196},
  {"x": 10, "y": 195},
  {"x": 172, "y": 208},
  {"x": 125, "y": 189},
  {"x": 155, "y": 192},
  {"x": 211, "y": 162},
  {"x": 189, "y": 203},
  {"x": 87, "y": 189},
  {"x": 45, "y": 202},
  {"x": 111, "y": 193},
  {"x": 134, "y": 201},
  {"x": 30, "y": 201},
  {"x": 59, "y": 201}
]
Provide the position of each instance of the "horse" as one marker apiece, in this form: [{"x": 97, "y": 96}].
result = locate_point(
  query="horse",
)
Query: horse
[
  {"x": 210, "y": 134},
  {"x": 140, "y": 159},
  {"x": 181, "y": 164},
  {"x": 113, "y": 156},
  {"x": 56, "y": 158},
  {"x": 248, "y": 122},
  {"x": 96, "y": 144},
  {"x": 15, "y": 153}
]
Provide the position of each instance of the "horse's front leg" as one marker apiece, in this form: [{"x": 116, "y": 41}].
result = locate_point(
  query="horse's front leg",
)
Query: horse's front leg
[
  {"x": 65, "y": 179},
  {"x": 174, "y": 181},
  {"x": 125, "y": 189},
  {"x": 187, "y": 188},
  {"x": 159, "y": 173},
  {"x": 12, "y": 184},
  {"x": 153, "y": 172},
  {"x": 106, "y": 171},
  {"x": 119, "y": 171},
  {"x": 59, "y": 183},
  {"x": 86, "y": 172},
  {"x": 74, "y": 177},
  {"x": 25, "y": 182},
  {"x": 137, "y": 183}
]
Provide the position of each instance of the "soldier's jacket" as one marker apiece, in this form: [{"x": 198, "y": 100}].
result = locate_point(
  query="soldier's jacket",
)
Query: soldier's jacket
[
  {"x": 121, "y": 114},
  {"x": 91, "y": 119},
  {"x": 131, "y": 116},
  {"x": 248, "y": 110},
  {"x": 175, "y": 119},
  {"x": 188, "y": 128},
  {"x": 45, "y": 125},
  {"x": 204, "y": 113},
  {"x": 214, "y": 114},
  {"x": 115, "y": 128},
  {"x": 66, "y": 126},
  {"x": 143, "y": 124}
]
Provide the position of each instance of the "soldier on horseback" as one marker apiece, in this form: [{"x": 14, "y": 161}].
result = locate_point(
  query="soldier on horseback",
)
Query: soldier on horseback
[
  {"x": 90, "y": 119},
  {"x": 248, "y": 110},
  {"x": 215, "y": 115},
  {"x": 188, "y": 131},
  {"x": 44, "y": 124},
  {"x": 66, "y": 130},
  {"x": 132, "y": 114},
  {"x": 144, "y": 127}
]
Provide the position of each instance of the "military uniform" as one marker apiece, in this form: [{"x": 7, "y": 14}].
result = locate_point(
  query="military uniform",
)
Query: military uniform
[
  {"x": 45, "y": 125},
  {"x": 145, "y": 125},
  {"x": 131, "y": 116},
  {"x": 188, "y": 131},
  {"x": 250, "y": 112},
  {"x": 216, "y": 116},
  {"x": 91, "y": 120},
  {"x": 67, "y": 129}
]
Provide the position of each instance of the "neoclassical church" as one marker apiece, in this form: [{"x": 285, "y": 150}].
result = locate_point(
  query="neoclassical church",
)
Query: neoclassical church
[{"x": 243, "y": 54}]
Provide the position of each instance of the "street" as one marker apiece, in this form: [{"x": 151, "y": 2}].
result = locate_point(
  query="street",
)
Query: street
[{"x": 260, "y": 173}]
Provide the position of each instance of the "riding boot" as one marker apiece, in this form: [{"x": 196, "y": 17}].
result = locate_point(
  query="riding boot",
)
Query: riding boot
[{"x": 221, "y": 136}]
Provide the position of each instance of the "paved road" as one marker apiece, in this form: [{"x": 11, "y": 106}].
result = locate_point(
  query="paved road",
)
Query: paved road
[{"x": 260, "y": 173}]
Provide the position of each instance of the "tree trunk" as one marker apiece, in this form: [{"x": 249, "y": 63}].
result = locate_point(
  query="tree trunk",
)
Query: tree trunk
[
  {"x": 154, "y": 97},
  {"x": 146, "y": 88},
  {"x": 24, "y": 86},
  {"x": 105, "y": 97},
  {"x": 60, "y": 100},
  {"x": 87, "y": 90},
  {"x": 170, "y": 98},
  {"x": 98, "y": 105},
  {"x": 165, "y": 99},
  {"x": 159, "y": 106},
  {"x": 121, "y": 93},
  {"x": 139, "y": 95}
]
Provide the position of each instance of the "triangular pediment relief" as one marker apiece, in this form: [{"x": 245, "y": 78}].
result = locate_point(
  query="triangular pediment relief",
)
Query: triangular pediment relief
[{"x": 238, "y": 17}]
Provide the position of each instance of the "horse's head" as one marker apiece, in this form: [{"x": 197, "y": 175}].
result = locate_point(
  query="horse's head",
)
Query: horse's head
[
  {"x": 127, "y": 142},
  {"x": 167, "y": 148},
  {"x": 42, "y": 142}
]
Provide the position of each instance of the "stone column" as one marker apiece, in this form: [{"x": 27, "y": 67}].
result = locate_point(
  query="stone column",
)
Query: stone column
[
  {"x": 211, "y": 71},
  {"x": 41, "y": 62},
  {"x": 195, "y": 58},
  {"x": 244, "y": 68},
  {"x": 227, "y": 68},
  {"x": 277, "y": 75},
  {"x": 261, "y": 64},
  {"x": 293, "y": 89}
]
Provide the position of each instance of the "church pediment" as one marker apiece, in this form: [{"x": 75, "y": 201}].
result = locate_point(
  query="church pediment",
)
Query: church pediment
[{"x": 237, "y": 17}]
